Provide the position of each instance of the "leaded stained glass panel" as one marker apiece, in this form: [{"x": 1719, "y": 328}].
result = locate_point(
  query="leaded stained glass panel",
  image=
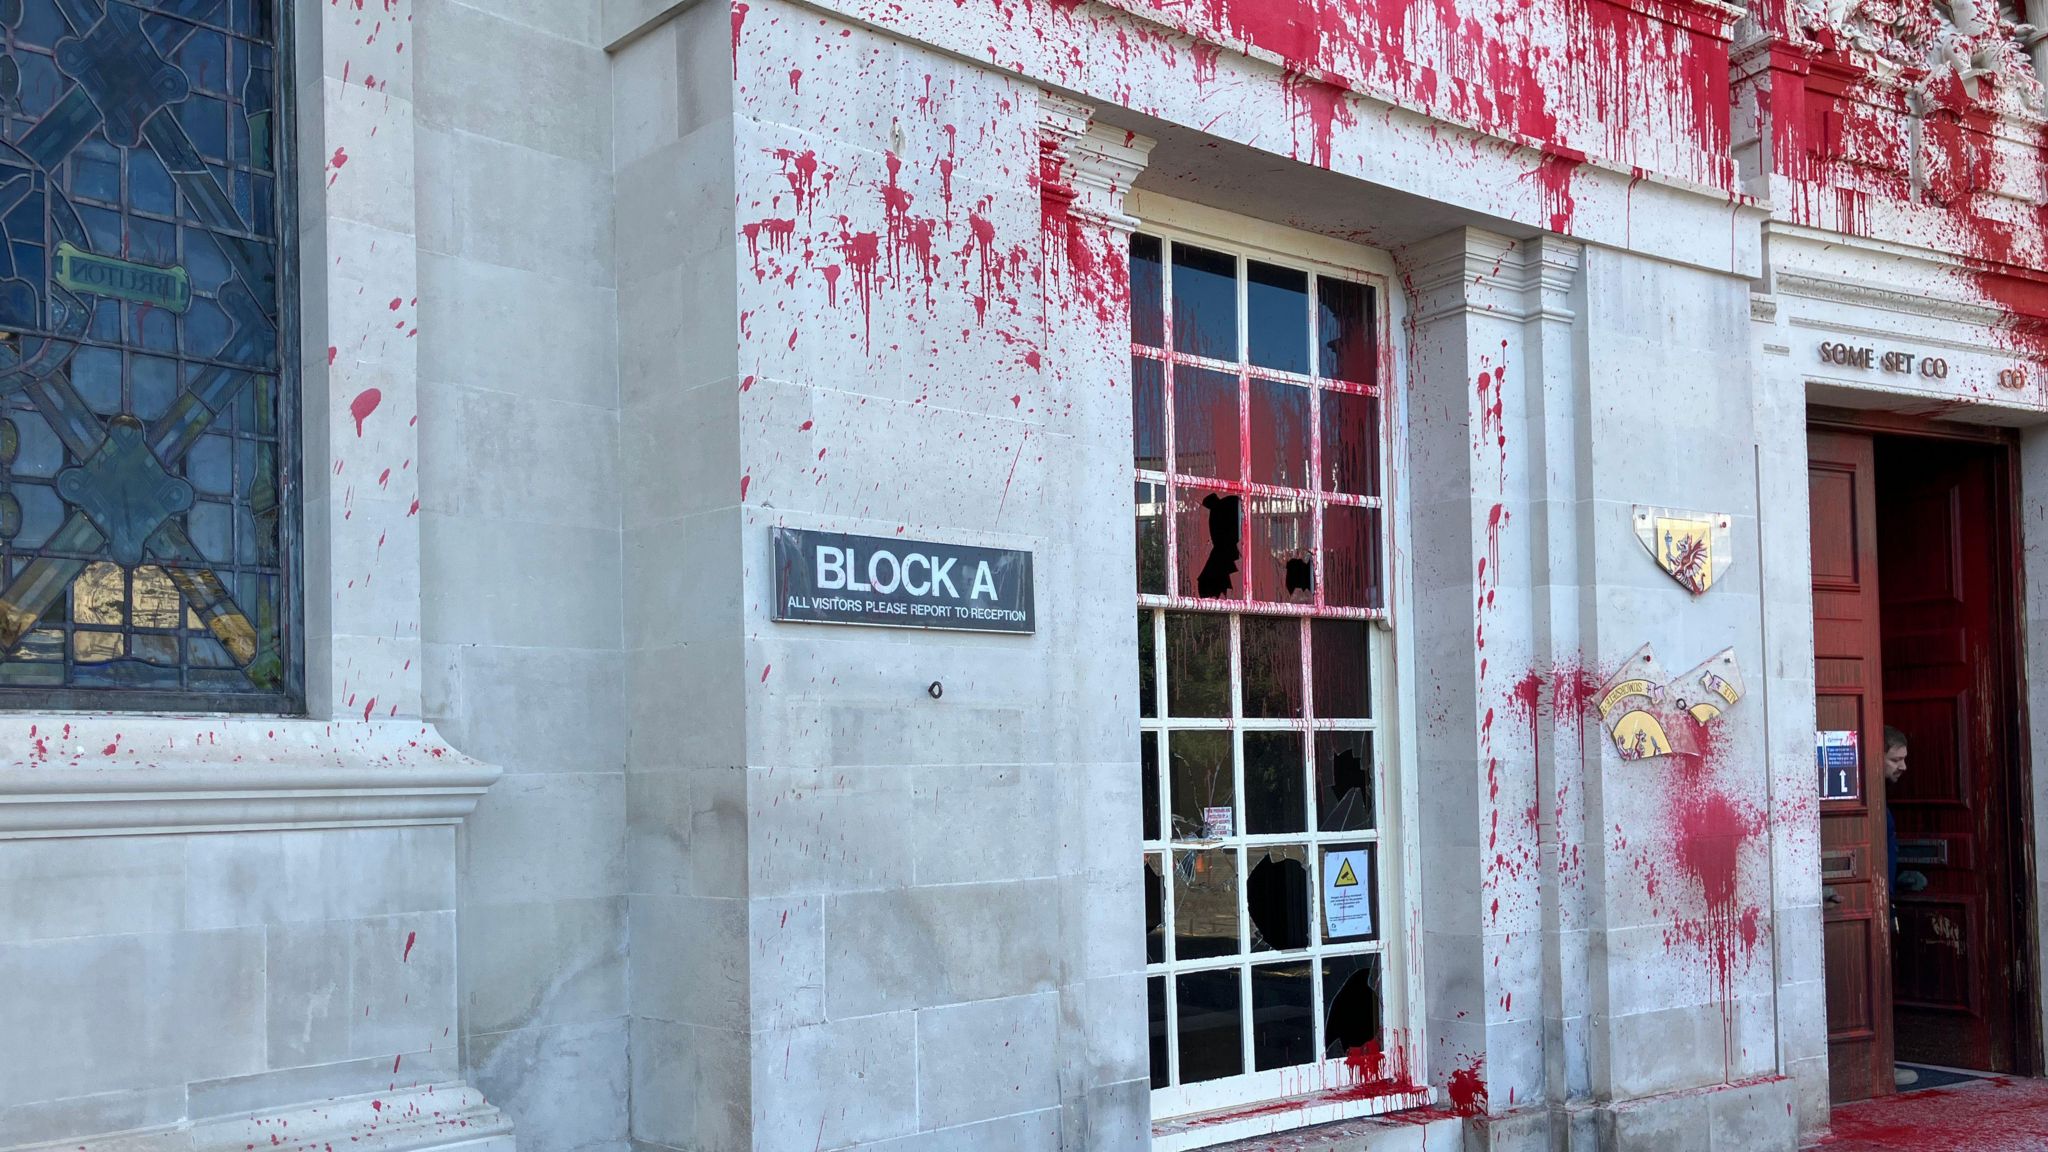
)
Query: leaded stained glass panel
[{"x": 145, "y": 534}]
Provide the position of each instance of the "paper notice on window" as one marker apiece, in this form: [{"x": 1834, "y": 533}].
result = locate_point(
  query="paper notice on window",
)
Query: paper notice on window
[
  {"x": 1347, "y": 893},
  {"x": 1216, "y": 823}
]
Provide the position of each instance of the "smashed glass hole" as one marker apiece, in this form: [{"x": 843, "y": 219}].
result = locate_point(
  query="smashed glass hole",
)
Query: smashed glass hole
[
  {"x": 1211, "y": 527},
  {"x": 1276, "y": 897},
  {"x": 1351, "y": 1003},
  {"x": 1344, "y": 791},
  {"x": 1280, "y": 558}
]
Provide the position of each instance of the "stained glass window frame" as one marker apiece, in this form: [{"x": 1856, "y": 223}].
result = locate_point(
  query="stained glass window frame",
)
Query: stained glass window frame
[{"x": 213, "y": 619}]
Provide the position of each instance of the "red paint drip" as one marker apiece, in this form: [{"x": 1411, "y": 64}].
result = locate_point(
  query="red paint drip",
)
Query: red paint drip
[
  {"x": 739, "y": 18},
  {"x": 410, "y": 937},
  {"x": 365, "y": 403}
]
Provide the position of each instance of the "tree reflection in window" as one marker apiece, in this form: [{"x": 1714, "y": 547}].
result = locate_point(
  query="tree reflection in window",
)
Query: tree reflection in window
[{"x": 144, "y": 456}]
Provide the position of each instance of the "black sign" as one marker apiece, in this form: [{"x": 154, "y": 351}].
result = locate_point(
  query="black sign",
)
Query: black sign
[{"x": 833, "y": 578}]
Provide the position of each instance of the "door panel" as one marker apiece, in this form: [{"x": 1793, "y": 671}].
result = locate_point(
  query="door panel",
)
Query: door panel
[
  {"x": 1941, "y": 563},
  {"x": 1849, "y": 696}
]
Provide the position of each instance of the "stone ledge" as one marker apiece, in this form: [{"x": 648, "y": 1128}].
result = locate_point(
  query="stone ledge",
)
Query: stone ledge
[
  {"x": 1417, "y": 1130},
  {"x": 136, "y": 776},
  {"x": 444, "y": 1115}
]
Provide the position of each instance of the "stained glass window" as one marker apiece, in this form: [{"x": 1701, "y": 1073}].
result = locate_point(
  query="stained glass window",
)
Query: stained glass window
[{"x": 144, "y": 462}]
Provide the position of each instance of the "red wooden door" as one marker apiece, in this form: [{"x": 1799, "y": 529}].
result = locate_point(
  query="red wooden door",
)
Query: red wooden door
[
  {"x": 1943, "y": 560},
  {"x": 1849, "y": 698}
]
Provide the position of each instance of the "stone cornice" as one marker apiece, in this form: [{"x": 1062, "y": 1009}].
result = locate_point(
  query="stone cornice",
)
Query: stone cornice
[{"x": 65, "y": 777}]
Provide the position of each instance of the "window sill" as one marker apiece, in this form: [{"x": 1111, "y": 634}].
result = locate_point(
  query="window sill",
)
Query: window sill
[
  {"x": 1337, "y": 1121},
  {"x": 128, "y": 775}
]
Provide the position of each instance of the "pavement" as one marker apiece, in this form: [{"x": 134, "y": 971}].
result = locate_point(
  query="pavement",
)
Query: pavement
[{"x": 2000, "y": 1114}]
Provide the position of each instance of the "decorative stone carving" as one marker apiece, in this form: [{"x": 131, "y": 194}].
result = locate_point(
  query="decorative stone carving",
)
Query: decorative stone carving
[{"x": 1986, "y": 45}]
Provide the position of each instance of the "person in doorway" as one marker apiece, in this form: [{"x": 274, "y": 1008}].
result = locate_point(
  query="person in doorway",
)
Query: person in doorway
[{"x": 1894, "y": 769}]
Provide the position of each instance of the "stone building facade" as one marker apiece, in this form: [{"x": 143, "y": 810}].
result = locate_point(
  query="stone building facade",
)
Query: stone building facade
[{"x": 415, "y": 747}]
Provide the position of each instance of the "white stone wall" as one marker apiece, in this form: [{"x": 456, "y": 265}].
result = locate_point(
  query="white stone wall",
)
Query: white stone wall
[{"x": 520, "y": 514}]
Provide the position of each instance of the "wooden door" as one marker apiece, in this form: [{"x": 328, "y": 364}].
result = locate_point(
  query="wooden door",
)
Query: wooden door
[
  {"x": 1849, "y": 698},
  {"x": 1943, "y": 564}
]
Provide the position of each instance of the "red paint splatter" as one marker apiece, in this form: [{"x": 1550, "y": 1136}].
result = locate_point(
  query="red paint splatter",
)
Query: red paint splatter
[
  {"x": 332, "y": 352},
  {"x": 745, "y": 479},
  {"x": 1323, "y": 106},
  {"x": 410, "y": 937},
  {"x": 365, "y": 403},
  {"x": 1467, "y": 1089}
]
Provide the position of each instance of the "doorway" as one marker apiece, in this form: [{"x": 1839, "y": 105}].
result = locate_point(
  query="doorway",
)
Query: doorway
[{"x": 1915, "y": 580}]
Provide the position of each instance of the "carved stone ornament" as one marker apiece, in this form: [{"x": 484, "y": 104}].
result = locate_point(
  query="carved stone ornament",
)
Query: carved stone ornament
[{"x": 1987, "y": 45}]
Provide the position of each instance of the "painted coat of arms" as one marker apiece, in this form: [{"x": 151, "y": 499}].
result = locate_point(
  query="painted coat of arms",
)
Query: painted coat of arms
[{"x": 1691, "y": 547}]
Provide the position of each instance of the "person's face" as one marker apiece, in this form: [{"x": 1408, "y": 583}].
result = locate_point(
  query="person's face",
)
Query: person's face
[{"x": 1894, "y": 764}]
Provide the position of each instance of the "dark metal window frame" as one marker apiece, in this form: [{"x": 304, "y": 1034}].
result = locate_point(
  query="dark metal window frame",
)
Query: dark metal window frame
[{"x": 289, "y": 700}]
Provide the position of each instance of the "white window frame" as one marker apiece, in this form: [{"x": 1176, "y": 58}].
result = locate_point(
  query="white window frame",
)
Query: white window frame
[{"x": 1256, "y": 1103}]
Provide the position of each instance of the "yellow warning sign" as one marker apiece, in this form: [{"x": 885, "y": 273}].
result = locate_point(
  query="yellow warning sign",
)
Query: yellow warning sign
[{"x": 1346, "y": 878}]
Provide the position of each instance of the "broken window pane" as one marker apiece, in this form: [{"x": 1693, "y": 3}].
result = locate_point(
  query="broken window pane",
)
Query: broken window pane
[
  {"x": 1155, "y": 908},
  {"x": 1351, "y": 556},
  {"x": 1204, "y": 302},
  {"x": 1283, "y": 1015},
  {"x": 1270, "y": 648},
  {"x": 1351, "y": 1003},
  {"x": 1206, "y": 436},
  {"x": 1276, "y": 316},
  {"x": 1155, "y": 1003},
  {"x": 1211, "y": 526},
  {"x": 1151, "y": 504},
  {"x": 1197, "y": 664},
  {"x": 1202, "y": 785},
  {"x": 1148, "y": 754},
  {"x": 1348, "y": 333},
  {"x": 1351, "y": 443},
  {"x": 1276, "y": 897},
  {"x": 1343, "y": 676},
  {"x": 1344, "y": 792},
  {"x": 1211, "y": 1028},
  {"x": 1279, "y": 433},
  {"x": 1148, "y": 308},
  {"x": 1274, "y": 799},
  {"x": 1280, "y": 561},
  {"x": 1204, "y": 904},
  {"x": 1148, "y": 413}
]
